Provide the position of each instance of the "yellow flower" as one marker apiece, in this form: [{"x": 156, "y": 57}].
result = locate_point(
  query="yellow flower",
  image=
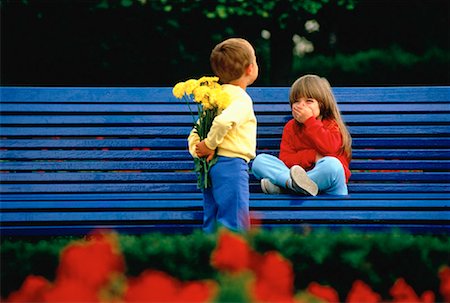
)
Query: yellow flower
[
  {"x": 178, "y": 90},
  {"x": 209, "y": 81},
  {"x": 190, "y": 85},
  {"x": 223, "y": 99},
  {"x": 200, "y": 93}
]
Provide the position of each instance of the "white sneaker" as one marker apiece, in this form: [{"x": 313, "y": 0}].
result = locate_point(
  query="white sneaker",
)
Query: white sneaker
[
  {"x": 269, "y": 188},
  {"x": 301, "y": 183}
]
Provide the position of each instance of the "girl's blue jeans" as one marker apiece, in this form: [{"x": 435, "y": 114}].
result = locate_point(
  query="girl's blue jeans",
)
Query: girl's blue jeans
[
  {"x": 328, "y": 173},
  {"x": 226, "y": 203}
]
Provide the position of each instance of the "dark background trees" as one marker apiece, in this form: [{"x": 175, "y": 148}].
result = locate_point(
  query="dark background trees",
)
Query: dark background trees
[{"x": 160, "y": 42}]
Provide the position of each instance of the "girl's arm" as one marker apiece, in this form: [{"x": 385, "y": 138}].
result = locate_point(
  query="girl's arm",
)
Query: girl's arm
[
  {"x": 325, "y": 136},
  {"x": 306, "y": 158}
]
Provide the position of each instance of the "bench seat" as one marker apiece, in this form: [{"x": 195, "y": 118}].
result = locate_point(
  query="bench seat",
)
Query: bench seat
[{"x": 74, "y": 159}]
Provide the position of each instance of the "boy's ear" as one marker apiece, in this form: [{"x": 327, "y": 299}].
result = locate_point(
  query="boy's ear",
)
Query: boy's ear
[{"x": 249, "y": 69}]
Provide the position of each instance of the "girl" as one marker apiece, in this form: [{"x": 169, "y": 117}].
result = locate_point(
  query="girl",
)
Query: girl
[{"x": 315, "y": 148}]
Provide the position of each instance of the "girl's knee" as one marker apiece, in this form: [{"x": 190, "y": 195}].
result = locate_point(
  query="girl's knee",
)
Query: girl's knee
[
  {"x": 332, "y": 165},
  {"x": 259, "y": 162}
]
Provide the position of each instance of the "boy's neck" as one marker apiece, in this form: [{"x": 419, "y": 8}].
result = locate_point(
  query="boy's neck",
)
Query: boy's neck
[{"x": 241, "y": 82}]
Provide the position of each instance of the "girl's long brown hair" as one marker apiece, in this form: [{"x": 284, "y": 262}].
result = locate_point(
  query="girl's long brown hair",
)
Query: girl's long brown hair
[{"x": 312, "y": 86}]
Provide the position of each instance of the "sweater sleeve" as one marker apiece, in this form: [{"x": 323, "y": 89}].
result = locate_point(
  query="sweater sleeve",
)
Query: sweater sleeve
[
  {"x": 325, "y": 136},
  {"x": 224, "y": 122},
  {"x": 306, "y": 158},
  {"x": 193, "y": 140}
]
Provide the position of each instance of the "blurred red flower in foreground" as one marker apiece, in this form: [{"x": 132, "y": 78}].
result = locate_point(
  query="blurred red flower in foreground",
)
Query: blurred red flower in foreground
[
  {"x": 361, "y": 292},
  {"x": 156, "y": 286},
  {"x": 403, "y": 292},
  {"x": 93, "y": 271},
  {"x": 232, "y": 253},
  {"x": 324, "y": 292},
  {"x": 274, "y": 279},
  {"x": 444, "y": 287},
  {"x": 92, "y": 262},
  {"x": 32, "y": 290}
]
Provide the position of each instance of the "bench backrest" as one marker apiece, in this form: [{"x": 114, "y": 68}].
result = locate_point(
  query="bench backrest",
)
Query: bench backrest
[{"x": 115, "y": 139}]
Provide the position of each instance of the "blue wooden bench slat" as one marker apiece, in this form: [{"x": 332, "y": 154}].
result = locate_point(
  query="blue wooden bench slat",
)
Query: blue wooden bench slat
[
  {"x": 189, "y": 187},
  {"x": 113, "y": 155},
  {"x": 173, "y": 131},
  {"x": 147, "y": 154},
  {"x": 187, "y": 165},
  {"x": 158, "y": 119},
  {"x": 293, "y": 199},
  {"x": 45, "y": 108},
  {"x": 259, "y": 94},
  {"x": 264, "y": 143},
  {"x": 190, "y": 176},
  {"x": 255, "y": 203}
]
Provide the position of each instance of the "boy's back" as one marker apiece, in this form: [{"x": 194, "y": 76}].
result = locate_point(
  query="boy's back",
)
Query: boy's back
[{"x": 232, "y": 138}]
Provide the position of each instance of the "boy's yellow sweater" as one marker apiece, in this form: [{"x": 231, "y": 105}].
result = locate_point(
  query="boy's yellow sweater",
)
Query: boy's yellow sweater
[{"x": 233, "y": 132}]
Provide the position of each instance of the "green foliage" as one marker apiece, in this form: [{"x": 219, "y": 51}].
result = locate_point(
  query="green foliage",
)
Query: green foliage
[
  {"x": 333, "y": 258},
  {"x": 377, "y": 66}
]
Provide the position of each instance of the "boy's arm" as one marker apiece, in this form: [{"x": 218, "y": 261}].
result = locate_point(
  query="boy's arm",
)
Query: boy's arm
[
  {"x": 203, "y": 151},
  {"x": 193, "y": 140},
  {"x": 223, "y": 123}
]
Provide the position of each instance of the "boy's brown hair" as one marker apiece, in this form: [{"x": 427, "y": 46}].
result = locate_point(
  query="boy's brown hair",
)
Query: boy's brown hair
[{"x": 230, "y": 58}]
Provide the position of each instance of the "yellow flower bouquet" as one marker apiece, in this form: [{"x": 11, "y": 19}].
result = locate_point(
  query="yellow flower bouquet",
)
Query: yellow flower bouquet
[{"x": 210, "y": 99}]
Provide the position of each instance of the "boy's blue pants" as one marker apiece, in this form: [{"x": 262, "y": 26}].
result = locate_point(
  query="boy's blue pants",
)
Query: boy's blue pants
[
  {"x": 328, "y": 173},
  {"x": 226, "y": 203}
]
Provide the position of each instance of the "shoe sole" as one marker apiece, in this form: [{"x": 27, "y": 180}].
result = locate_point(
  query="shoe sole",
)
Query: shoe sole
[
  {"x": 301, "y": 182},
  {"x": 265, "y": 188}
]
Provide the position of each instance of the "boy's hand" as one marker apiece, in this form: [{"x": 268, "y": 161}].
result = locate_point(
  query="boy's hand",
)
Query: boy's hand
[{"x": 203, "y": 151}]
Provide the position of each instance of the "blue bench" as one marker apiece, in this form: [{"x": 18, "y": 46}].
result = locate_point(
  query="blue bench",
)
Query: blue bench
[{"x": 74, "y": 159}]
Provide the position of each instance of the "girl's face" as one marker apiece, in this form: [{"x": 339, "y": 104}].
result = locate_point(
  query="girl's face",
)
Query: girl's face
[{"x": 311, "y": 103}]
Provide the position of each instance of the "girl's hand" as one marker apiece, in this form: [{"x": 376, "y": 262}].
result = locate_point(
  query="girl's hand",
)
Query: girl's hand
[
  {"x": 301, "y": 112},
  {"x": 203, "y": 151}
]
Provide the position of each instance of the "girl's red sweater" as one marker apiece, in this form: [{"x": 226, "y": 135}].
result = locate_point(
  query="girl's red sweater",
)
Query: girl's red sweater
[{"x": 301, "y": 143}]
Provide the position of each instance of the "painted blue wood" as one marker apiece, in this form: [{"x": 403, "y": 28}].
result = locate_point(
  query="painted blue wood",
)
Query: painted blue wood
[
  {"x": 94, "y": 153},
  {"x": 292, "y": 199},
  {"x": 261, "y": 94},
  {"x": 269, "y": 143},
  {"x": 272, "y": 204},
  {"x": 171, "y": 131},
  {"x": 46, "y": 108},
  {"x": 191, "y": 187},
  {"x": 188, "y": 165},
  {"x": 184, "y": 155},
  {"x": 186, "y": 118}
]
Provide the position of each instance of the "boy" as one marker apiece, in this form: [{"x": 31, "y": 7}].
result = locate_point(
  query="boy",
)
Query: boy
[{"x": 233, "y": 136}]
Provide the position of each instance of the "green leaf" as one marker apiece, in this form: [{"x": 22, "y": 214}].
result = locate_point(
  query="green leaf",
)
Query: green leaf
[{"x": 126, "y": 3}]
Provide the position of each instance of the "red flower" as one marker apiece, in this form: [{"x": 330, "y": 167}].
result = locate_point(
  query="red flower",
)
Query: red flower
[
  {"x": 71, "y": 291},
  {"x": 427, "y": 297},
  {"x": 232, "y": 253},
  {"x": 444, "y": 287},
  {"x": 197, "y": 292},
  {"x": 32, "y": 290},
  {"x": 151, "y": 286},
  {"x": 403, "y": 292},
  {"x": 156, "y": 286},
  {"x": 274, "y": 279},
  {"x": 326, "y": 293},
  {"x": 361, "y": 292},
  {"x": 91, "y": 263}
]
